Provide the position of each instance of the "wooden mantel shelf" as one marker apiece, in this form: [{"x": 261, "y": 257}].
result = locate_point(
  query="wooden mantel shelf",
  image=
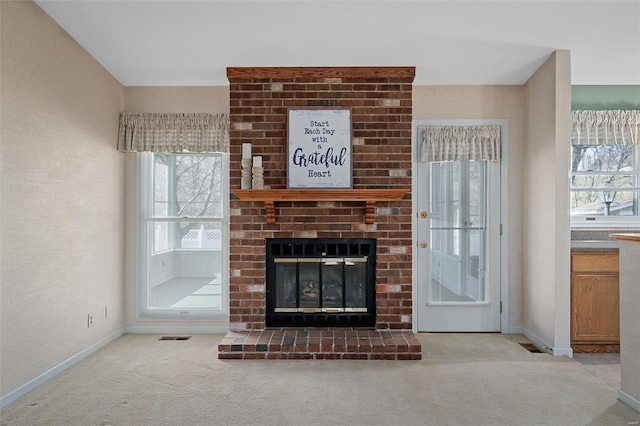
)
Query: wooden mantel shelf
[{"x": 369, "y": 196}]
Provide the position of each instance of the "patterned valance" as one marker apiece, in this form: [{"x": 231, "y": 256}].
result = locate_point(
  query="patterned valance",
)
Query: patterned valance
[
  {"x": 168, "y": 132},
  {"x": 460, "y": 143},
  {"x": 607, "y": 127}
]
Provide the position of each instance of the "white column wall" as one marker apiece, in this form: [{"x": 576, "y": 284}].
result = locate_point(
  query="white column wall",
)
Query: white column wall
[{"x": 547, "y": 237}]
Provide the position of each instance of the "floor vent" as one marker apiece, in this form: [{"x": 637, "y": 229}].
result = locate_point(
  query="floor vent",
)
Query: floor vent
[
  {"x": 175, "y": 338},
  {"x": 531, "y": 348}
]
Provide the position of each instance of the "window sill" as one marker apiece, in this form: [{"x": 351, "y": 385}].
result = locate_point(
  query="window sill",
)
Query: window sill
[
  {"x": 176, "y": 316},
  {"x": 587, "y": 222},
  {"x": 188, "y": 250}
]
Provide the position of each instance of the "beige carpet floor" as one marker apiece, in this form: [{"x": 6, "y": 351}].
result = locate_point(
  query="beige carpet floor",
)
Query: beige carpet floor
[{"x": 463, "y": 379}]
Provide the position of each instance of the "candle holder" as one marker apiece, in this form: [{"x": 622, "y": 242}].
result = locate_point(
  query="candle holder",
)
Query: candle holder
[
  {"x": 258, "y": 178},
  {"x": 245, "y": 173}
]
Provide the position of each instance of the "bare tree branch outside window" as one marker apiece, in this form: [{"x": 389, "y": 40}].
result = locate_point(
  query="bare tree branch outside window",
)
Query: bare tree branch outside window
[
  {"x": 188, "y": 186},
  {"x": 602, "y": 173}
]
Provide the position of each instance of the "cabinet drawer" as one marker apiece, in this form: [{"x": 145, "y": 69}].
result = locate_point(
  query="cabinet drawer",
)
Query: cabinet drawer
[{"x": 600, "y": 262}]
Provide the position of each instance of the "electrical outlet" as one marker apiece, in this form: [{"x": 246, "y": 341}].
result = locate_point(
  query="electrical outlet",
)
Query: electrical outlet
[{"x": 89, "y": 321}]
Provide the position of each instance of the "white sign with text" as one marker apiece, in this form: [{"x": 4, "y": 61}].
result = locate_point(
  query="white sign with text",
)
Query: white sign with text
[{"x": 319, "y": 148}]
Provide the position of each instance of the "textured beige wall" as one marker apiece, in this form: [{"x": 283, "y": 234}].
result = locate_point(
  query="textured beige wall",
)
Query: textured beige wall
[
  {"x": 178, "y": 99},
  {"x": 161, "y": 99},
  {"x": 488, "y": 102},
  {"x": 62, "y": 191},
  {"x": 547, "y": 245},
  {"x": 562, "y": 326},
  {"x": 629, "y": 320}
]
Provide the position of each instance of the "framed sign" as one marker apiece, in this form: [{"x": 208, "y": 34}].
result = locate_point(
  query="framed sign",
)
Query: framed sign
[{"x": 319, "y": 154}]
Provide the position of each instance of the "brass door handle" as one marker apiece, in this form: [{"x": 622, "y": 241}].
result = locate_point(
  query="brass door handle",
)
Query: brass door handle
[
  {"x": 424, "y": 215},
  {"x": 424, "y": 244}
]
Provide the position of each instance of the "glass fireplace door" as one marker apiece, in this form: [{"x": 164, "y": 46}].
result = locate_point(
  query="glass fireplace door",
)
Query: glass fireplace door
[{"x": 321, "y": 284}]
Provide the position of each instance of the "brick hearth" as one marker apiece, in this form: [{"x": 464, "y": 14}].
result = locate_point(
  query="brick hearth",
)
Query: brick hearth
[{"x": 319, "y": 343}]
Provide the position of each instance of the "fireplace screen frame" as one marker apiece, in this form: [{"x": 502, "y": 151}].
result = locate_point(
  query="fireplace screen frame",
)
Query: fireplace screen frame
[{"x": 321, "y": 252}]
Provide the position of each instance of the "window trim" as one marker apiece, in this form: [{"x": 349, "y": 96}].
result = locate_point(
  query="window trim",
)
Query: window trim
[{"x": 144, "y": 245}]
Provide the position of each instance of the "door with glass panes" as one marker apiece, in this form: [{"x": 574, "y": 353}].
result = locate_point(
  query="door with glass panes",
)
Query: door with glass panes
[{"x": 458, "y": 254}]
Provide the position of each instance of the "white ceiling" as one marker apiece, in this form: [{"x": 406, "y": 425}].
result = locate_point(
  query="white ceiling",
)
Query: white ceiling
[{"x": 191, "y": 43}]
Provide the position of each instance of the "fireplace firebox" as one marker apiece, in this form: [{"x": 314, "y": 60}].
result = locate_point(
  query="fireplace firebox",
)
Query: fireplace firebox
[{"x": 320, "y": 282}]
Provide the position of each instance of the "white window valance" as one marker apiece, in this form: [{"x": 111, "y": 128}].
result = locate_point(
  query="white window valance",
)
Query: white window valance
[
  {"x": 170, "y": 132},
  {"x": 607, "y": 127},
  {"x": 460, "y": 143}
]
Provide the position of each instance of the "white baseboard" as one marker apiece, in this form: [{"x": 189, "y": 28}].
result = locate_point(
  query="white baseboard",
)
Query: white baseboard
[
  {"x": 568, "y": 352},
  {"x": 177, "y": 329},
  {"x": 547, "y": 346},
  {"x": 629, "y": 400},
  {"x": 19, "y": 392}
]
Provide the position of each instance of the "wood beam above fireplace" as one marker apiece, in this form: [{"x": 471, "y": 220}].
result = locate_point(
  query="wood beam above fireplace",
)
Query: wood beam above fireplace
[
  {"x": 239, "y": 73},
  {"x": 369, "y": 196}
]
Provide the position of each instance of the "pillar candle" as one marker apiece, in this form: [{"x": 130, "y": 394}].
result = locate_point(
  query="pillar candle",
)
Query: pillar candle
[
  {"x": 246, "y": 151},
  {"x": 257, "y": 161}
]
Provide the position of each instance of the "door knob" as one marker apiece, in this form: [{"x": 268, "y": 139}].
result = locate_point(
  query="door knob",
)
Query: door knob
[
  {"x": 424, "y": 244},
  {"x": 424, "y": 215}
]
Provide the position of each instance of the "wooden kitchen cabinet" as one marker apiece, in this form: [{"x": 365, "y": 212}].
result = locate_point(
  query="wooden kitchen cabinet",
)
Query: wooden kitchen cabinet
[{"x": 595, "y": 302}]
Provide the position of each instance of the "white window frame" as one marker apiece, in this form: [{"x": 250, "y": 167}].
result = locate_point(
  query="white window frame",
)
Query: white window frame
[
  {"x": 144, "y": 245},
  {"x": 610, "y": 222}
]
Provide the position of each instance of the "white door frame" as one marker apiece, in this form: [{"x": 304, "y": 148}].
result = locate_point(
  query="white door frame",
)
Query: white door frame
[{"x": 504, "y": 208}]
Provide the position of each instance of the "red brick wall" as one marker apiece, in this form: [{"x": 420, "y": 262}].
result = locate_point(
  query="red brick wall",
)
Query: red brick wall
[{"x": 380, "y": 102}]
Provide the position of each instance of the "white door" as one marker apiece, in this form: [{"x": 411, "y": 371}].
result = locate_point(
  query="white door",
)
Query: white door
[{"x": 458, "y": 254}]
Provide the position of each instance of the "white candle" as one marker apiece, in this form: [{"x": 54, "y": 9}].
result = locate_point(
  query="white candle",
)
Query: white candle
[
  {"x": 246, "y": 151},
  {"x": 257, "y": 161}
]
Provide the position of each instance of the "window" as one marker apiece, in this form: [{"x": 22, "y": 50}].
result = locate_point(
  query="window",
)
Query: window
[
  {"x": 605, "y": 185},
  {"x": 183, "y": 235}
]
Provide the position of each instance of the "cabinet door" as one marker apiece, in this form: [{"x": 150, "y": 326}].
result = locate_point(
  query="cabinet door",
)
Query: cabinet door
[{"x": 595, "y": 306}]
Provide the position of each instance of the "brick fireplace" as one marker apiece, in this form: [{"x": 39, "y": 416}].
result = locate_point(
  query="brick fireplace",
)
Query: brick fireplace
[{"x": 381, "y": 112}]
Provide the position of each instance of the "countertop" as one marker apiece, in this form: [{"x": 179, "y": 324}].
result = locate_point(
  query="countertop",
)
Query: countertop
[
  {"x": 627, "y": 237},
  {"x": 601, "y": 239},
  {"x": 594, "y": 245},
  {"x": 593, "y": 240},
  {"x": 598, "y": 239}
]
